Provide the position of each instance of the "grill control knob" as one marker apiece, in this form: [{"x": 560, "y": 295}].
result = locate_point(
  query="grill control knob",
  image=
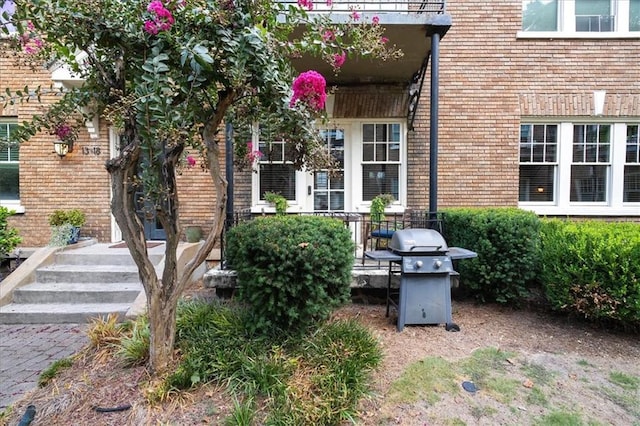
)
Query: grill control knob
[
  {"x": 437, "y": 264},
  {"x": 418, "y": 264}
]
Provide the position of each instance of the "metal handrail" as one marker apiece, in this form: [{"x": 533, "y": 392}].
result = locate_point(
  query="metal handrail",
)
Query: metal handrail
[{"x": 378, "y": 6}]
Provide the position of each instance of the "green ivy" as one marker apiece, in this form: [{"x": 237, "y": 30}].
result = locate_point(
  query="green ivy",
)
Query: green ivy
[{"x": 292, "y": 270}]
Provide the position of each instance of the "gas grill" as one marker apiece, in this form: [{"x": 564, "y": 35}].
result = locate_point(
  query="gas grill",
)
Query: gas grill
[{"x": 424, "y": 262}]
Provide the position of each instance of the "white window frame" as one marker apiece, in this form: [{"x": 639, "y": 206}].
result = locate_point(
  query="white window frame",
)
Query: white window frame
[
  {"x": 352, "y": 172},
  {"x": 614, "y": 205},
  {"x": 567, "y": 23},
  {"x": 14, "y": 205},
  {"x": 543, "y": 163}
]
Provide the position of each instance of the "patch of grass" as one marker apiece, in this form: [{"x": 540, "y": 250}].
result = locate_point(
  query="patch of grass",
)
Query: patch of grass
[
  {"x": 244, "y": 413},
  {"x": 625, "y": 381},
  {"x": 504, "y": 388},
  {"x": 537, "y": 397},
  {"x": 538, "y": 373},
  {"x": 483, "y": 362},
  {"x": 585, "y": 363},
  {"x": 53, "y": 370},
  {"x": 133, "y": 348},
  {"x": 455, "y": 422},
  {"x": 313, "y": 378},
  {"x": 627, "y": 400},
  {"x": 560, "y": 418},
  {"x": 480, "y": 411},
  {"x": 104, "y": 335},
  {"x": 424, "y": 380}
]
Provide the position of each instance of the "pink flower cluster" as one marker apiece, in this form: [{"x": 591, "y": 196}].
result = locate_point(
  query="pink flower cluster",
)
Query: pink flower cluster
[
  {"x": 339, "y": 59},
  {"x": 63, "y": 132},
  {"x": 162, "y": 19},
  {"x": 253, "y": 155},
  {"x": 31, "y": 43},
  {"x": 308, "y": 4},
  {"x": 309, "y": 87},
  {"x": 190, "y": 161}
]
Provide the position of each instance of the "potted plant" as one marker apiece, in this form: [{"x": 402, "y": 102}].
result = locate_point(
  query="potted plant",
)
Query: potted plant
[
  {"x": 378, "y": 232},
  {"x": 280, "y": 202},
  {"x": 65, "y": 226}
]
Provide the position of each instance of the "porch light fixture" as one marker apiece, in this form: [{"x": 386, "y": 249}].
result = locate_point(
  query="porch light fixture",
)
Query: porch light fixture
[{"x": 62, "y": 148}]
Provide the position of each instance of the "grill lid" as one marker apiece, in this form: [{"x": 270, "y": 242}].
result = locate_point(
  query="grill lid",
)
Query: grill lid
[{"x": 417, "y": 241}]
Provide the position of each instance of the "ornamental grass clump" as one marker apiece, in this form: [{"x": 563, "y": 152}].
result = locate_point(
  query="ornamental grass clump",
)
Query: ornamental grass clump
[{"x": 292, "y": 270}]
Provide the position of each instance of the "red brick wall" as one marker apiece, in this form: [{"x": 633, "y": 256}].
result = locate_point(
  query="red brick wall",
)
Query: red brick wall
[
  {"x": 79, "y": 180},
  {"x": 483, "y": 70}
]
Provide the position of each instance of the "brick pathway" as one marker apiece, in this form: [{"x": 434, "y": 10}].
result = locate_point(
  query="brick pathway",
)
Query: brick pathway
[{"x": 27, "y": 349}]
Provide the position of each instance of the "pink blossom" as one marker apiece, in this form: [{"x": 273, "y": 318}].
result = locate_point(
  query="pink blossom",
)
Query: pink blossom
[
  {"x": 253, "y": 155},
  {"x": 384, "y": 39},
  {"x": 63, "y": 132},
  {"x": 308, "y": 4},
  {"x": 191, "y": 161},
  {"x": 355, "y": 15},
  {"x": 328, "y": 35},
  {"x": 329, "y": 2},
  {"x": 375, "y": 20},
  {"x": 162, "y": 19},
  {"x": 151, "y": 27},
  {"x": 339, "y": 58},
  {"x": 309, "y": 87}
]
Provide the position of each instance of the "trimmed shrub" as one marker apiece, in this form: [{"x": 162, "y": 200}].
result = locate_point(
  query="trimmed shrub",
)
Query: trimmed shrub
[
  {"x": 9, "y": 238},
  {"x": 292, "y": 270},
  {"x": 592, "y": 268},
  {"x": 508, "y": 246}
]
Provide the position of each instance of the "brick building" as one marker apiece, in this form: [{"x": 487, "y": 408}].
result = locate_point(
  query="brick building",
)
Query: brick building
[{"x": 536, "y": 105}]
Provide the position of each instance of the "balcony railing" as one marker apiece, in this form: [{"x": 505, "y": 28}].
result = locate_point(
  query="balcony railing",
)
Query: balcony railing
[
  {"x": 379, "y": 6},
  {"x": 366, "y": 234}
]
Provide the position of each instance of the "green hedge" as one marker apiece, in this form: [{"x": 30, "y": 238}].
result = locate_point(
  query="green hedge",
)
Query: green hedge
[
  {"x": 592, "y": 268},
  {"x": 292, "y": 270},
  {"x": 507, "y": 242}
]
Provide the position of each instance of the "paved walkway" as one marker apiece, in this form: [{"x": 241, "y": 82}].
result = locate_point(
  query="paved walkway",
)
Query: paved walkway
[{"x": 27, "y": 349}]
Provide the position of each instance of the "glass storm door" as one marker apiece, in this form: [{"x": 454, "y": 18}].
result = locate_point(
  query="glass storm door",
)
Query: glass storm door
[{"x": 328, "y": 186}]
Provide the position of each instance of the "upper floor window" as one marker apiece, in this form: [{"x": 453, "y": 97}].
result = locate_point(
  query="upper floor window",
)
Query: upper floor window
[
  {"x": 7, "y": 9},
  {"x": 581, "y": 16},
  {"x": 9, "y": 164}
]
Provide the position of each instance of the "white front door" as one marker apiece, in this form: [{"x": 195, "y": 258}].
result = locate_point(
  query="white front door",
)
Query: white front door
[{"x": 327, "y": 189}]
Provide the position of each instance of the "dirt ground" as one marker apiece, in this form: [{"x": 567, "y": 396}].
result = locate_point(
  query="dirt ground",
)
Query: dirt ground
[{"x": 579, "y": 356}]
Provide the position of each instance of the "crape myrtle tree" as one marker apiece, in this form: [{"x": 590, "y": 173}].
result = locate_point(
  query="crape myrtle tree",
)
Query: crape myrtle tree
[{"x": 166, "y": 74}]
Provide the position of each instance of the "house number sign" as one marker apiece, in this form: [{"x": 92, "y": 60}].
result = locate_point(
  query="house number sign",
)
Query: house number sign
[{"x": 95, "y": 150}]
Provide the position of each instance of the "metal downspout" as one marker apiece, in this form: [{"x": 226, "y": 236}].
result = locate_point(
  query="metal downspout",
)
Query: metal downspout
[
  {"x": 433, "y": 127},
  {"x": 228, "y": 155}
]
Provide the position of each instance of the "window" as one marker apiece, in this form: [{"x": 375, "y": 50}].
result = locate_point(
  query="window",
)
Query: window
[
  {"x": 277, "y": 173},
  {"x": 538, "y": 162},
  {"x": 328, "y": 187},
  {"x": 591, "y": 162},
  {"x": 580, "y": 168},
  {"x": 580, "y": 17},
  {"x": 634, "y": 15},
  {"x": 370, "y": 160},
  {"x": 9, "y": 164},
  {"x": 540, "y": 15},
  {"x": 594, "y": 16},
  {"x": 380, "y": 160},
  {"x": 631, "y": 193},
  {"x": 7, "y": 9}
]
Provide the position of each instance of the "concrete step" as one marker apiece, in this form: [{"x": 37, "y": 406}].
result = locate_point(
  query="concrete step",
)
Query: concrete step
[
  {"x": 117, "y": 257},
  {"x": 59, "y": 313},
  {"x": 77, "y": 293},
  {"x": 60, "y": 273}
]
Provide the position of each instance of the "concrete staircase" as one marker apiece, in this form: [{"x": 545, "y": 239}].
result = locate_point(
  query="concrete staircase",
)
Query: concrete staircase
[{"x": 78, "y": 285}]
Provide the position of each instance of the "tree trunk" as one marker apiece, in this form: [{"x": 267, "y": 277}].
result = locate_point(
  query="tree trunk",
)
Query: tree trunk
[{"x": 162, "y": 330}]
